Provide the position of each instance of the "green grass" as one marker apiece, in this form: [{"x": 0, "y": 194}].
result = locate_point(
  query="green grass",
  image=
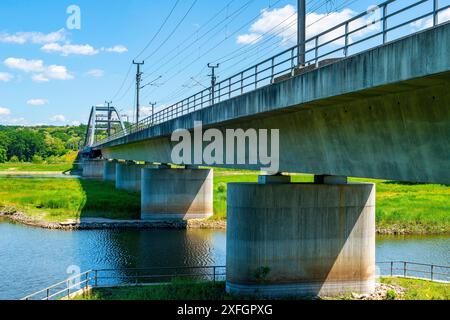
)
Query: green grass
[
  {"x": 177, "y": 290},
  {"x": 57, "y": 200},
  {"x": 32, "y": 167},
  {"x": 188, "y": 290},
  {"x": 411, "y": 208},
  {"x": 420, "y": 289}
]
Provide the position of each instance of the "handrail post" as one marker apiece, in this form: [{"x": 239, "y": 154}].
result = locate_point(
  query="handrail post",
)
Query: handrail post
[
  {"x": 214, "y": 271},
  {"x": 392, "y": 268},
  {"x": 229, "y": 88},
  {"x": 96, "y": 278},
  {"x": 242, "y": 83},
  {"x": 432, "y": 272},
  {"x": 384, "y": 23},
  {"x": 346, "y": 39},
  {"x": 48, "y": 294},
  {"x": 404, "y": 269},
  {"x": 316, "y": 50},
  {"x": 435, "y": 12},
  {"x": 87, "y": 281},
  {"x": 256, "y": 77},
  {"x": 272, "y": 78},
  {"x": 293, "y": 62},
  {"x": 68, "y": 289}
]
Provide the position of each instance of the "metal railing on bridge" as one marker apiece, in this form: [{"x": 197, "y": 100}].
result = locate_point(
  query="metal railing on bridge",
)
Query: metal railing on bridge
[
  {"x": 362, "y": 32},
  {"x": 148, "y": 276}
]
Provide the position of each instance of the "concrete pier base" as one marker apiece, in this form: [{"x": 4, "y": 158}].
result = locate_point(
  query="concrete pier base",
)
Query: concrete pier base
[
  {"x": 109, "y": 170},
  {"x": 176, "y": 194},
  {"x": 93, "y": 169},
  {"x": 128, "y": 176},
  {"x": 286, "y": 240}
]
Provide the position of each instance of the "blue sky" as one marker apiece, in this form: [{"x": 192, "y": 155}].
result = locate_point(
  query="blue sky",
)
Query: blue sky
[{"x": 52, "y": 75}]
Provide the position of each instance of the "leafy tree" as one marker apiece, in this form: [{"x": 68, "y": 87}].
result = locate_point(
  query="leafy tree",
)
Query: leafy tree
[{"x": 3, "y": 157}]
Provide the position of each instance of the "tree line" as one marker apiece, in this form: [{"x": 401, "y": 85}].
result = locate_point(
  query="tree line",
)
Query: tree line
[{"x": 38, "y": 144}]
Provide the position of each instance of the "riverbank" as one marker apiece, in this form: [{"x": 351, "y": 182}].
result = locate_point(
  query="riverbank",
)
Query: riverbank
[
  {"x": 71, "y": 204},
  {"x": 387, "y": 289}
]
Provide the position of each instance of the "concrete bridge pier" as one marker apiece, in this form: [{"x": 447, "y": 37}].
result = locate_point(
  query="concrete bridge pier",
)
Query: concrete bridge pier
[
  {"x": 286, "y": 239},
  {"x": 109, "y": 170},
  {"x": 176, "y": 194},
  {"x": 93, "y": 169},
  {"x": 128, "y": 176}
]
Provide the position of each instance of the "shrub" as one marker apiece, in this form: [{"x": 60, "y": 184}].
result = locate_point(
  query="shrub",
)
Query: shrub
[
  {"x": 37, "y": 159},
  {"x": 14, "y": 159},
  {"x": 3, "y": 157}
]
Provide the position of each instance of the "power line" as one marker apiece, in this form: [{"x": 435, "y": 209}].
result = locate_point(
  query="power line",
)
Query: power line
[
  {"x": 173, "y": 31},
  {"x": 123, "y": 83},
  {"x": 160, "y": 28},
  {"x": 169, "y": 58},
  {"x": 318, "y": 5}
]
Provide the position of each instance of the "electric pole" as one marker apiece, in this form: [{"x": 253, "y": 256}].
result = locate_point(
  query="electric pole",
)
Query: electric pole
[
  {"x": 301, "y": 32},
  {"x": 153, "y": 111},
  {"x": 108, "y": 104},
  {"x": 138, "y": 86},
  {"x": 213, "y": 80}
]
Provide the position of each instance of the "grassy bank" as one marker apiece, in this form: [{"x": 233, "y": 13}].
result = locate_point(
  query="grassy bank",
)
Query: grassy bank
[
  {"x": 58, "y": 200},
  {"x": 185, "y": 290},
  {"x": 62, "y": 164},
  {"x": 420, "y": 290},
  {"x": 401, "y": 208}
]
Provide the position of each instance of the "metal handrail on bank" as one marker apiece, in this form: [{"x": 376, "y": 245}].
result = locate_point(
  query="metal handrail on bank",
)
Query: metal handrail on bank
[
  {"x": 285, "y": 64},
  {"x": 163, "y": 275}
]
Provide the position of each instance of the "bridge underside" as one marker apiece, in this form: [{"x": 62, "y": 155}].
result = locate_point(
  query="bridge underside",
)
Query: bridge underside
[
  {"x": 398, "y": 132},
  {"x": 384, "y": 113}
]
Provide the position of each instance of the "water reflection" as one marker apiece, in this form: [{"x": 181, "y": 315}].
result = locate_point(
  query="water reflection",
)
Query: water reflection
[{"x": 31, "y": 259}]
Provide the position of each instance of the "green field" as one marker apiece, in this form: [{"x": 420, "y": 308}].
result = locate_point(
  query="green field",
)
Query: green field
[
  {"x": 32, "y": 167},
  {"x": 409, "y": 208},
  {"x": 402, "y": 208},
  {"x": 58, "y": 200},
  {"x": 187, "y": 290}
]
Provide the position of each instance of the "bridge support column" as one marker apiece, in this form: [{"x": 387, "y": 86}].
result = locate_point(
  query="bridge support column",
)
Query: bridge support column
[
  {"x": 109, "y": 170},
  {"x": 286, "y": 240},
  {"x": 128, "y": 176},
  {"x": 93, "y": 169},
  {"x": 177, "y": 194}
]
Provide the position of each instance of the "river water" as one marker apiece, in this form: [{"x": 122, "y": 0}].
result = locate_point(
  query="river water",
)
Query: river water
[{"x": 32, "y": 259}]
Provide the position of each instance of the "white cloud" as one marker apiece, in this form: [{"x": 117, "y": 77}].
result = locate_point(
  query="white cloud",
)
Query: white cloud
[
  {"x": 426, "y": 23},
  {"x": 14, "y": 121},
  {"x": 58, "y": 118},
  {"x": 70, "y": 49},
  {"x": 5, "y": 77},
  {"x": 39, "y": 78},
  {"x": 41, "y": 73},
  {"x": 282, "y": 23},
  {"x": 33, "y": 37},
  {"x": 76, "y": 123},
  {"x": 58, "y": 73},
  {"x": 25, "y": 65},
  {"x": 250, "y": 38},
  {"x": 96, "y": 73},
  {"x": 4, "y": 111},
  {"x": 37, "y": 102},
  {"x": 117, "y": 49}
]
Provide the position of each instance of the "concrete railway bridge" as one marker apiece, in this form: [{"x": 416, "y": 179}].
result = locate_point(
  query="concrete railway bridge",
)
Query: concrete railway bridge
[{"x": 381, "y": 113}]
